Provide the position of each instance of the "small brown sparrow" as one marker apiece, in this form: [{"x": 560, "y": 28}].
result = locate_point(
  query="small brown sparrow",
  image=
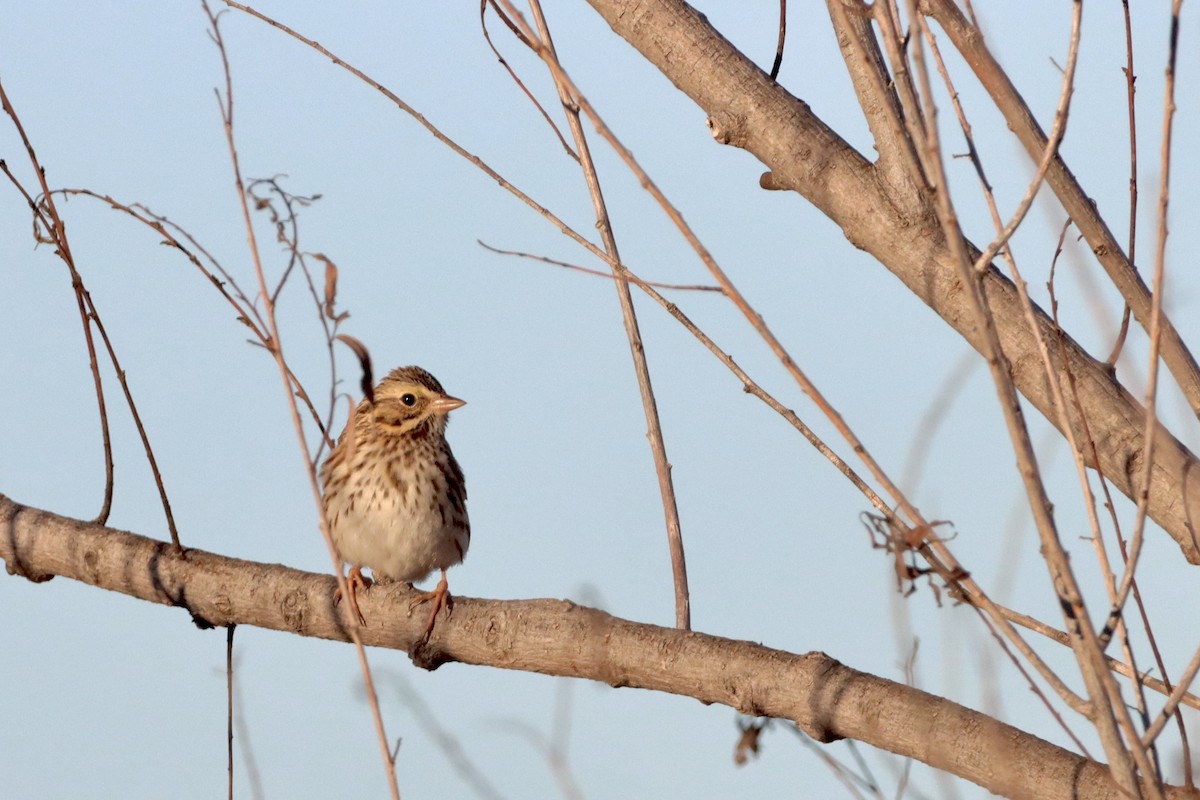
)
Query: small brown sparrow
[{"x": 394, "y": 496}]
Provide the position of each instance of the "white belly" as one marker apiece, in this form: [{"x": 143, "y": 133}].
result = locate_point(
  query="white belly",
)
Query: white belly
[{"x": 399, "y": 536}]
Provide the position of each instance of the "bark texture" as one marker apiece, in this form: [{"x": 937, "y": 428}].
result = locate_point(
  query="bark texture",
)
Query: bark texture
[{"x": 828, "y": 700}]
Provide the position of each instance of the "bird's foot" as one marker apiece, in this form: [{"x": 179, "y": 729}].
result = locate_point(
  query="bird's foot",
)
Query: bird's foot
[
  {"x": 441, "y": 598},
  {"x": 355, "y": 580}
]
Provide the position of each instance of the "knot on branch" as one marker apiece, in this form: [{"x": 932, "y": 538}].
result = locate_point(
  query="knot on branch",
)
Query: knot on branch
[
  {"x": 830, "y": 684},
  {"x": 771, "y": 183},
  {"x": 726, "y": 128},
  {"x": 426, "y": 655},
  {"x": 15, "y": 567}
]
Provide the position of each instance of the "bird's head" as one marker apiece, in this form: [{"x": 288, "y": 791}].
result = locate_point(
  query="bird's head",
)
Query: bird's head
[{"x": 410, "y": 400}]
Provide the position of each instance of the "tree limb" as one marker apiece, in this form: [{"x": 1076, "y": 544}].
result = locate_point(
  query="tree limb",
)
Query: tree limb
[
  {"x": 826, "y": 699},
  {"x": 1124, "y": 275},
  {"x": 748, "y": 110}
]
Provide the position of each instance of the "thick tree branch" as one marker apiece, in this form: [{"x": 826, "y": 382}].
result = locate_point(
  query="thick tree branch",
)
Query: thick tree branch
[
  {"x": 827, "y": 700},
  {"x": 1087, "y": 219},
  {"x": 877, "y": 97},
  {"x": 748, "y": 110}
]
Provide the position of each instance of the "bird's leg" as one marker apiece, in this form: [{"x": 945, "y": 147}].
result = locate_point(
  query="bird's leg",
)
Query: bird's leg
[
  {"x": 441, "y": 599},
  {"x": 355, "y": 580}
]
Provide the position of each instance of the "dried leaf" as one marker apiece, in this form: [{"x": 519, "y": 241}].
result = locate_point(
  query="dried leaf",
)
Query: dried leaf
[
  {"x": 331, "y": 276},
  {"x": 747, "y": 744}
]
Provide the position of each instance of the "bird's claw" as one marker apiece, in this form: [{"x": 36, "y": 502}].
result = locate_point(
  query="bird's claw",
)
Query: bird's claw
[
  {"x": 441, "y": 598},
  {"x": 354, "y": 580}
]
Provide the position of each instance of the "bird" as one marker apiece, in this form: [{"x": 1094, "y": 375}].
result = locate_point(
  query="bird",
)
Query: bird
[{"x": 393, "y": 495}]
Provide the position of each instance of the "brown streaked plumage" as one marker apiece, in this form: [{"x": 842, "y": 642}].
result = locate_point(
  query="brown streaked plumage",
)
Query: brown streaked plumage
[{"x": 394, "y": 496}]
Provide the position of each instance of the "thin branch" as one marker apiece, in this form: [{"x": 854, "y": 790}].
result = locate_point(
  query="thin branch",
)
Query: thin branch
[
  {"x": 1083, "y": 448},
  {"x": 936, "y": 413},
  {"x": 805, "y": 155},
  {"x": 970, "y": 42},
  {"x": 751, "y": 387},
  {"x": 276, "y": 348},
  {"x": 778, "y": 62},
  {"x": 849, "y": 779},
  {"x": 46, "y": 214},
  {"x": 1057, "y": 131},
  {"x": 229, "y": 629},
  {"x": 1131, "y": 108},
  {"x": 1171, "y": 709},
  {"x": 444, "y": 740},
  {"x": 1105, "y": 711},
  {"x": 877, "y": 97},
  {"x": 217, "y": 277},
  {"x": 1156, "y": 330},
  {"x": 616, "y": 277},
  {"x": 483, "y": 7},
  {"x": 662, "y": 466}
]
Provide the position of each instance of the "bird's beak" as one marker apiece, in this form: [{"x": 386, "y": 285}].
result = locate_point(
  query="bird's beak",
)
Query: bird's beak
[{"x": 445, "y": 404}]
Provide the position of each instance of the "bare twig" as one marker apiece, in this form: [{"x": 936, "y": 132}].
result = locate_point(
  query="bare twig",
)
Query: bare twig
[
  {"x": 553, "y": 746},
  {"x": 598, "y": 273},
  {"x": 229, "y": 629},
  {"x": 662, "y": 466},
  {"x": 275, "y": 347},
  {"x": 753, "y": 388},
  {"x": 217, "y": 277},
  {"x": 851, "y": 780},
  {"x": 46, "y": 215},
  {"x": 1131, "y": 107},
  {"x": 778, "y": 62},
  {"x": 443, "y": 739},
  {"x": 935, "y": 414},
  {"x": 1171, "y": 709},
  {"x": 1119, "y": 667},
  {"x": 1057, "y": 130},
  {"x": 1085, "y": 440},
  {"x": 483, "y": 7},
  {"x": 1156, "y": 332},
  {"x": 1107, "y": 710},
  {"x": 53, "y": 231},
  {"x": 879, "y": 101},
  {"x": 1157, "y": 320},
  {"x": 972, "y": 45}
]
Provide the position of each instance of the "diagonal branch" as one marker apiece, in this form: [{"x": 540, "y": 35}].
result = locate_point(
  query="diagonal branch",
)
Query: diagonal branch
[
  {"x": 748, "y": 110},
  {"x": 543, "y": 45},
  {"x": 877, "y": 97},
  {"x": 1124, "y": 275},
  {"x": 825, "y": 699}
]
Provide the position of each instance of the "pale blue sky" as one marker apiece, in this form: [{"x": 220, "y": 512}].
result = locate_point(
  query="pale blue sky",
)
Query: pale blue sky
[{"x": 113, "y": 697}]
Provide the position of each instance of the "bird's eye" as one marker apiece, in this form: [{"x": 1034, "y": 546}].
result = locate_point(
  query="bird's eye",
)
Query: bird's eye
[{"x": 409, "y": 399}]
